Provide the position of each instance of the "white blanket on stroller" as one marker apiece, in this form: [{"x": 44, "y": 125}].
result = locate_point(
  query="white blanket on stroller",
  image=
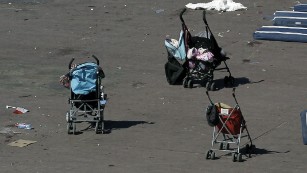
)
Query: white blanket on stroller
[{"x": 219, "y": 5}]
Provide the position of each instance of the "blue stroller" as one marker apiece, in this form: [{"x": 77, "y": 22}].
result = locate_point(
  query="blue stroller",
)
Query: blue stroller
[{"x": 87, "y": 99}]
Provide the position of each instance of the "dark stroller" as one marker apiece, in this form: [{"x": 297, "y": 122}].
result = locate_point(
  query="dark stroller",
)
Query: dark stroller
[
  {"x": 87, "y": 99},
  {"x": 180, "y": 68},
  {"x": 229, "y": 129}
]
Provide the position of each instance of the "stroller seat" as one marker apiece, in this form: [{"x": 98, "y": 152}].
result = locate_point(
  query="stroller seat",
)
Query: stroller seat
[{"x": 231, "y": 119}]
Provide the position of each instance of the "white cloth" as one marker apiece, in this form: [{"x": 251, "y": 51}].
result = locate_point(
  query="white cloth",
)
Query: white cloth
[{"x": 219, "y": 5}]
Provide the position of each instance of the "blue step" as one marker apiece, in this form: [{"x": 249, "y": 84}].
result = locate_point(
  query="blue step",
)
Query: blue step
[
  {"x": 290, "y": 21},
  {"x": 278, "y": 33},
  {"x": 300, "y": 7},
  {"x": 290, "y": 14}
]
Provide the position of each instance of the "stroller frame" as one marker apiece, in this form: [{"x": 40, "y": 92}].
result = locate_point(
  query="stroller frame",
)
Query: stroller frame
[
  {"x": 224, "y": 137},
  {"x": 195, "y": 75},
  {"x": 90, "y": 109}
]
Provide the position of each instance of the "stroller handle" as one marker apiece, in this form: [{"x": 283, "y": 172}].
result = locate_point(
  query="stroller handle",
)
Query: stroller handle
[
  {"x": 97, "y": 61},
  {"x": 181, "y": 13},
  {"x": 234, "y": 95},
  {"x": 233, "y": 92},
  {"x": 204, "y": 17},
  {"x": 69, "y": 65},
  {"x": 72, "y": 60},
  {"x": 207, "y": 92}
]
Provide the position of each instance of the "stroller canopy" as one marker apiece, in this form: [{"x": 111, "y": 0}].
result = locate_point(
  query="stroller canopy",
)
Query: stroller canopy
[{"x": 83, "y": 78}]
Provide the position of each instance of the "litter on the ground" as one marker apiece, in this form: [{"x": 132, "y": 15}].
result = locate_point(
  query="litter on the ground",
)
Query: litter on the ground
[
  {"x": 21, "y": 143},
  {"x": 219, "y": 5},
  {"x": 159, "y": 11},
  {"x": 23, "y": 126},
  {"x": 18, "y": 110}
]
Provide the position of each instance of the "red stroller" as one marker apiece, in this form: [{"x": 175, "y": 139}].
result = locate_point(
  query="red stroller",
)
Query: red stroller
[{"x": 229, "y": 127}]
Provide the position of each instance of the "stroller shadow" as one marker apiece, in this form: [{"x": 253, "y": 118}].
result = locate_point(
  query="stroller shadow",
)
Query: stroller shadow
[
  {"x": 109, "y": 125},
  {"x": 238, "y": 81},
  {"x": 261, "y": 151},
  {"x": 254, "y": 153},
  {"x": 113, "y": 125},
  {"x": 220, "y": 83}
]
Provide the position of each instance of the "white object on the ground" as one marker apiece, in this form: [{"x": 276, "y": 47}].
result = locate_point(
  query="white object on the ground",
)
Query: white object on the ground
[{"x": 219, "y": 5}]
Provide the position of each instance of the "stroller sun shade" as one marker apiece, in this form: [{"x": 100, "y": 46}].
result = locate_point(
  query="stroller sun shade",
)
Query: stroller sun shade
[
  {"x": 177, "y": 49},
  {"x": 83, "y": 78}
]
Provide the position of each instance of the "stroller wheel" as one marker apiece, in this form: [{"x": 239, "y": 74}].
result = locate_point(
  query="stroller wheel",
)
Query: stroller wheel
[
  {"x": 208, "y": 156},
  {"x": 221, "y": 146},
  {"x": 74, "y": 128},
  {"x": 227, "y": 146},
  {"x": 185, "y": 82},
  {"x": 69, "y": 128},
  {"x": 234, "y": 157},
  {"x": 190, "y": 83},
  {"x": 213, "y": 86},
  {"x": 99, "y": 127},
  {"x": 208, "y": 86},
  {"x": 248, "y": 150},
  {"x": 239, "y": 157},
  {"x": 212, "y": 155}
]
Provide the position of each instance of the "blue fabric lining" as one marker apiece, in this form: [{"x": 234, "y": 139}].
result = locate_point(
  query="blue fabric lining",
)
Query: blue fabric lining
[
  {"x": 178, "y": 52},
  {"x": 83, "y": 78}
]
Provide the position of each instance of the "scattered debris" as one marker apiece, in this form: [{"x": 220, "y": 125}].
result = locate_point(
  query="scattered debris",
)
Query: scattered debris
[
  {"x": 21, "y": 143},
  {"x": 23, "y": 126},
  {"x": 18, "y": 110},
  {"x": 220, "y": 35},
  {"x": 246, "y": 60},
  {"x": 159, "y": 11},
  {"x": 25, "y": 96}
]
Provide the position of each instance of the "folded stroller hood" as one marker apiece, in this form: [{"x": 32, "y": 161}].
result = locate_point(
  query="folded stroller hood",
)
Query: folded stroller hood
[
  {"x": 83, "y": 78},
  {"x": 177, "y": 50}
]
